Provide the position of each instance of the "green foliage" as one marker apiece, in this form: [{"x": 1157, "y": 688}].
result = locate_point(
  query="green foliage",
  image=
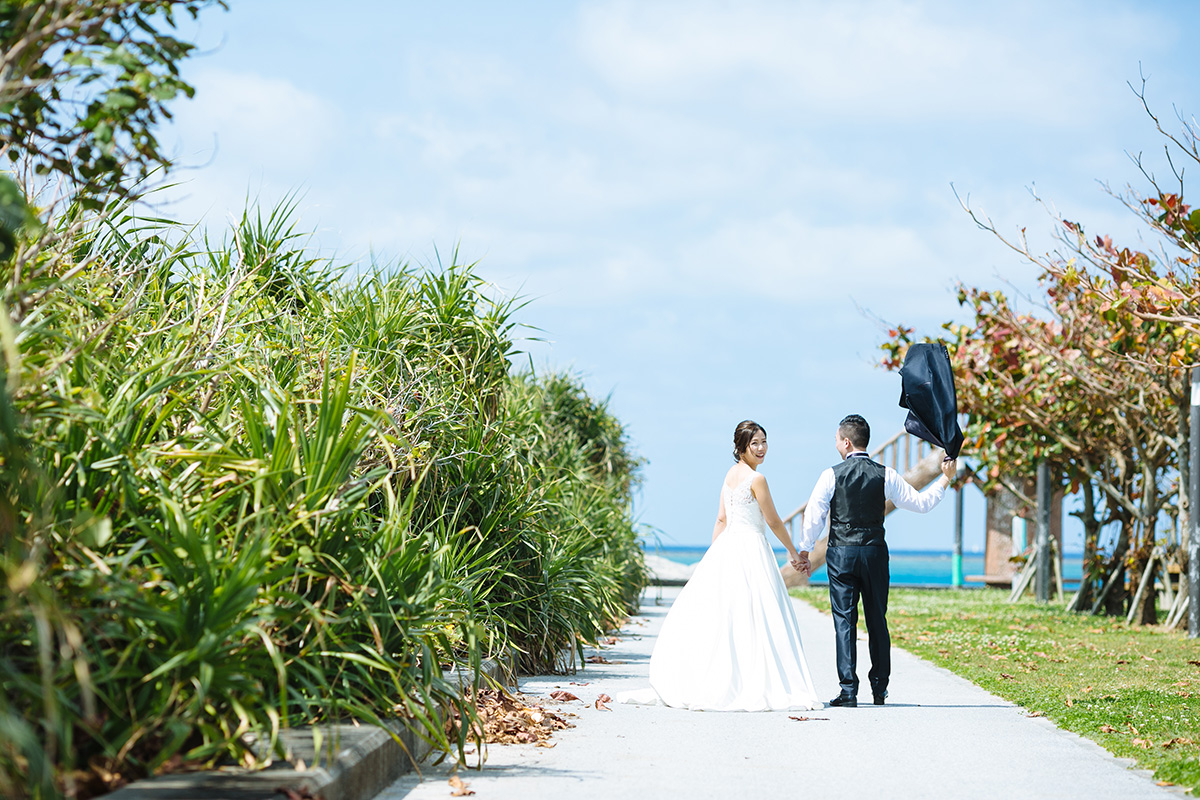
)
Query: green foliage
[
  {"x": 1134, "y": 690},
  {"x": 84, "y": 84},
  {"x": 242, "y": 489},
  {"x": 16, "y": 217}
]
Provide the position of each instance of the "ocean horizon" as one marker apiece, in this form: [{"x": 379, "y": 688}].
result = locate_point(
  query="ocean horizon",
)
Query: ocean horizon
[{"x": 908, "y": 567}]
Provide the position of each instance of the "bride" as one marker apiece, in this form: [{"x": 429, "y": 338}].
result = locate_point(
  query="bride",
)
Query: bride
[{"x": 731, "y": 641}]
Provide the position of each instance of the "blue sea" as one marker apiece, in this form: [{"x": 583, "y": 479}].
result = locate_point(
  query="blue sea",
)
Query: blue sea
[{"x": 908, "y": 567}]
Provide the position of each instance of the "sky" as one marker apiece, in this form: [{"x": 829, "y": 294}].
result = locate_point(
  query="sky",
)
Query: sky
[{"x": 715, "y": 210}]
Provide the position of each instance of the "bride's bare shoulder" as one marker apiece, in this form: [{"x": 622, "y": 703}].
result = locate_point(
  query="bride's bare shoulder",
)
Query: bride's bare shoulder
[{"x": 738, "y": 474}]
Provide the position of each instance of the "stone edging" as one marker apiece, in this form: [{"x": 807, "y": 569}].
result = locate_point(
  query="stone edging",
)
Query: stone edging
[{"x": 364, "y": 760}]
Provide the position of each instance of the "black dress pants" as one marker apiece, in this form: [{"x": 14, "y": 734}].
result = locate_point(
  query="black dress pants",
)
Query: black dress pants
[{"x": 860, "y": 571}]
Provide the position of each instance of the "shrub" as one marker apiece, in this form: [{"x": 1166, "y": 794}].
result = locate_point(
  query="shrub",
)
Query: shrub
[{"x": 242, "y": 488}]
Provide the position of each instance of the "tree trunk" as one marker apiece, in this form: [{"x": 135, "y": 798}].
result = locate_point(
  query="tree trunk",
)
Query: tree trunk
[
  {"x": 1093, "y": 565},
  {"x": 1147, "y": 613},
  {"x": 1114, "y": 603},
  {"x": 1144, "y": 545}
]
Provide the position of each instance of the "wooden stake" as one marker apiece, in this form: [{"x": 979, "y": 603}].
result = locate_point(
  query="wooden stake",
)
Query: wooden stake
[
  {"x": 1056, "y": 562},
  {"x": 1147, "y": 572},
  {"x": 1024, "y": 579}
]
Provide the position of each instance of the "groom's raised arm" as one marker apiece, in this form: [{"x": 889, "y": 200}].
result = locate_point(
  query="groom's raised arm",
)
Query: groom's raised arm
[
  {"x": 903, "y": 495},
  {"x": 816, "y": 512}
]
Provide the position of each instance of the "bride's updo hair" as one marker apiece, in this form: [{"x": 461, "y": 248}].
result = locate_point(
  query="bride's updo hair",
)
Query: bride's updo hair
[{"x": 742, "y": 435}]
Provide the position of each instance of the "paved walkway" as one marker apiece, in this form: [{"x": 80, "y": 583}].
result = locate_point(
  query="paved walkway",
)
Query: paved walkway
[{"x": 939, "y": 737}]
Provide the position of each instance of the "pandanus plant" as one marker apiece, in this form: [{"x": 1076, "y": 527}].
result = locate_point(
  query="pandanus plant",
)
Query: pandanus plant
[{"x": 242, "y": 488}]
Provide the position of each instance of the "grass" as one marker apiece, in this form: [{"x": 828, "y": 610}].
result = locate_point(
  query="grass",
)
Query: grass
[{"x": 1133, "y": 690}]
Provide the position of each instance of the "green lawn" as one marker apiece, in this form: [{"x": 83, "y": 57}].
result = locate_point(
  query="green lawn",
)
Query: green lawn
[{"x": 1135, "y": 691}]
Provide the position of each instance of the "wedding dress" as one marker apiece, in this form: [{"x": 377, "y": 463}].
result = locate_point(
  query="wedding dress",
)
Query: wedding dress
[{"x": 731, "y": 641}]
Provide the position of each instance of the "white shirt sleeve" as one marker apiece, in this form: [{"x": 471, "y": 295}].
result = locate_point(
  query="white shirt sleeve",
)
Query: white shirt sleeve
[
  {"x": 816, "y": 513},
  {"x": 903, "y": 495}
]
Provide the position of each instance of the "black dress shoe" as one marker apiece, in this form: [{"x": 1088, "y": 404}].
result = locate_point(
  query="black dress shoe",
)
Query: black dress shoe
[
  {"x": 845, "y": 701},
  {"x": 879, "y": 698}
]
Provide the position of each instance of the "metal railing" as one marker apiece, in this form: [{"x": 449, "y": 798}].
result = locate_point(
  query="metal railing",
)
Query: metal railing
[{"x": 902, "y": 452}]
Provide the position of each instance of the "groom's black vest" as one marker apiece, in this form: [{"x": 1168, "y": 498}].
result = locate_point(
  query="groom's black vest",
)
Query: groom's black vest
[{"x": 856, "y": 511}]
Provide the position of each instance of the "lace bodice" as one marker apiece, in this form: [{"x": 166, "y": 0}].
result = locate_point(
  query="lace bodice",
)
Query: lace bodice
[{"x": 741, "y": 508}]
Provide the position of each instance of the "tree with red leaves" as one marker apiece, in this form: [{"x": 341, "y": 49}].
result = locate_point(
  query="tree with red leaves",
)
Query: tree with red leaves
[{"x": 1095, "y": 380}]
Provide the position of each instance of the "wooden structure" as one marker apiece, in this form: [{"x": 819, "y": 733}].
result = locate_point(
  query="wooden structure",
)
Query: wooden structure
[{"x": 1003, "y": 506}]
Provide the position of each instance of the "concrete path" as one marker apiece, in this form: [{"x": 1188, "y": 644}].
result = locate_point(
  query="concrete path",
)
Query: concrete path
[{"x": 939, "y": 737}]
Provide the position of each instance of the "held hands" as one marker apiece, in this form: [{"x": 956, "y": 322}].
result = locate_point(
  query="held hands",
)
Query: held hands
[{"x": 800, "y": 563}]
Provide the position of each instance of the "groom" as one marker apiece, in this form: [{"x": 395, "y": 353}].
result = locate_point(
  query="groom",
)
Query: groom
[{"x": 853, "y": 495}]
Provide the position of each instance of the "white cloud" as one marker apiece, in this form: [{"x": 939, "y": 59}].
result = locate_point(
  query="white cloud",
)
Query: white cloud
[
  {"x": 873, "y": 59},
  {"x": 475, "y": 77},
  {"x": 786, "y": 256},
  {"x": 257, "y": 122}
]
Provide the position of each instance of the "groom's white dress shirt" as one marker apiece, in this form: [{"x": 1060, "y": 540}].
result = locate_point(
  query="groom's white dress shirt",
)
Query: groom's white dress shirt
[{"x": 895, "y": 488}]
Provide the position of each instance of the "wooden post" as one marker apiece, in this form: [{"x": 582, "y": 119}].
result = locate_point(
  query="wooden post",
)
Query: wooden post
[
  {"x": 1194, "y": 511},
  {"x": 1147, "y": 578},
  {"x": 1042, "y": 552},
  {"x": 1056, "y": 560},
  {"x": 1022, "y": 582},
  {"x": 1175, "y": 615},
  {"x": 956, "y": 574}
]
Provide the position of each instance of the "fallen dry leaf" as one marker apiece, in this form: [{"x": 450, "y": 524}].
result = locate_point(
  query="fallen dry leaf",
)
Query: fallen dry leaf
[
  {"x": 1036, "y": 714},
  {"x": 562, "y": 696},
  {"x": 581, "y": 683},
  {"x": 999, "y": 658},
  {"x": 1142, "y": 743},
  {"x": 1070, "y": 703},
  {"x": 1108, "y": 729},
  {"x": 1006, "y": 677},
  {"x": 460, "y": 788},
  {"x": 600, "y": 703},
  {"x": 611, "y": 640},
  {"x": 597, "y": 660},
  {"x": 1165, "y": 783},
  {"x": 809, "y": 719},
  {"x": 503, "y": 718},
  {"x": 1194, "y": 663},
  {"x": 1177, "y": 740}
]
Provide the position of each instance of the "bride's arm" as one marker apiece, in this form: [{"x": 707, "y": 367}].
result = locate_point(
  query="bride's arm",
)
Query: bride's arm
[
  {"x": 763, "y": 495},
  {"x": 721, "y": 521}
]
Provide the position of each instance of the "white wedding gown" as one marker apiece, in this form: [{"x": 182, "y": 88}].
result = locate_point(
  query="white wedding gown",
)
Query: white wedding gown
[{"x": 731, "y": 641}]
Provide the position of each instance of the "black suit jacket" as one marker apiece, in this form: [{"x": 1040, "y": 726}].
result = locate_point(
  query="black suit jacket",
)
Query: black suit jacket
[{"x": 927, "y": 391}]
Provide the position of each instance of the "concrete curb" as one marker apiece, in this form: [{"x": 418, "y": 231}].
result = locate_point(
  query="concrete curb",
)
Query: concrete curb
[{"x": 333, "y": 762}]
